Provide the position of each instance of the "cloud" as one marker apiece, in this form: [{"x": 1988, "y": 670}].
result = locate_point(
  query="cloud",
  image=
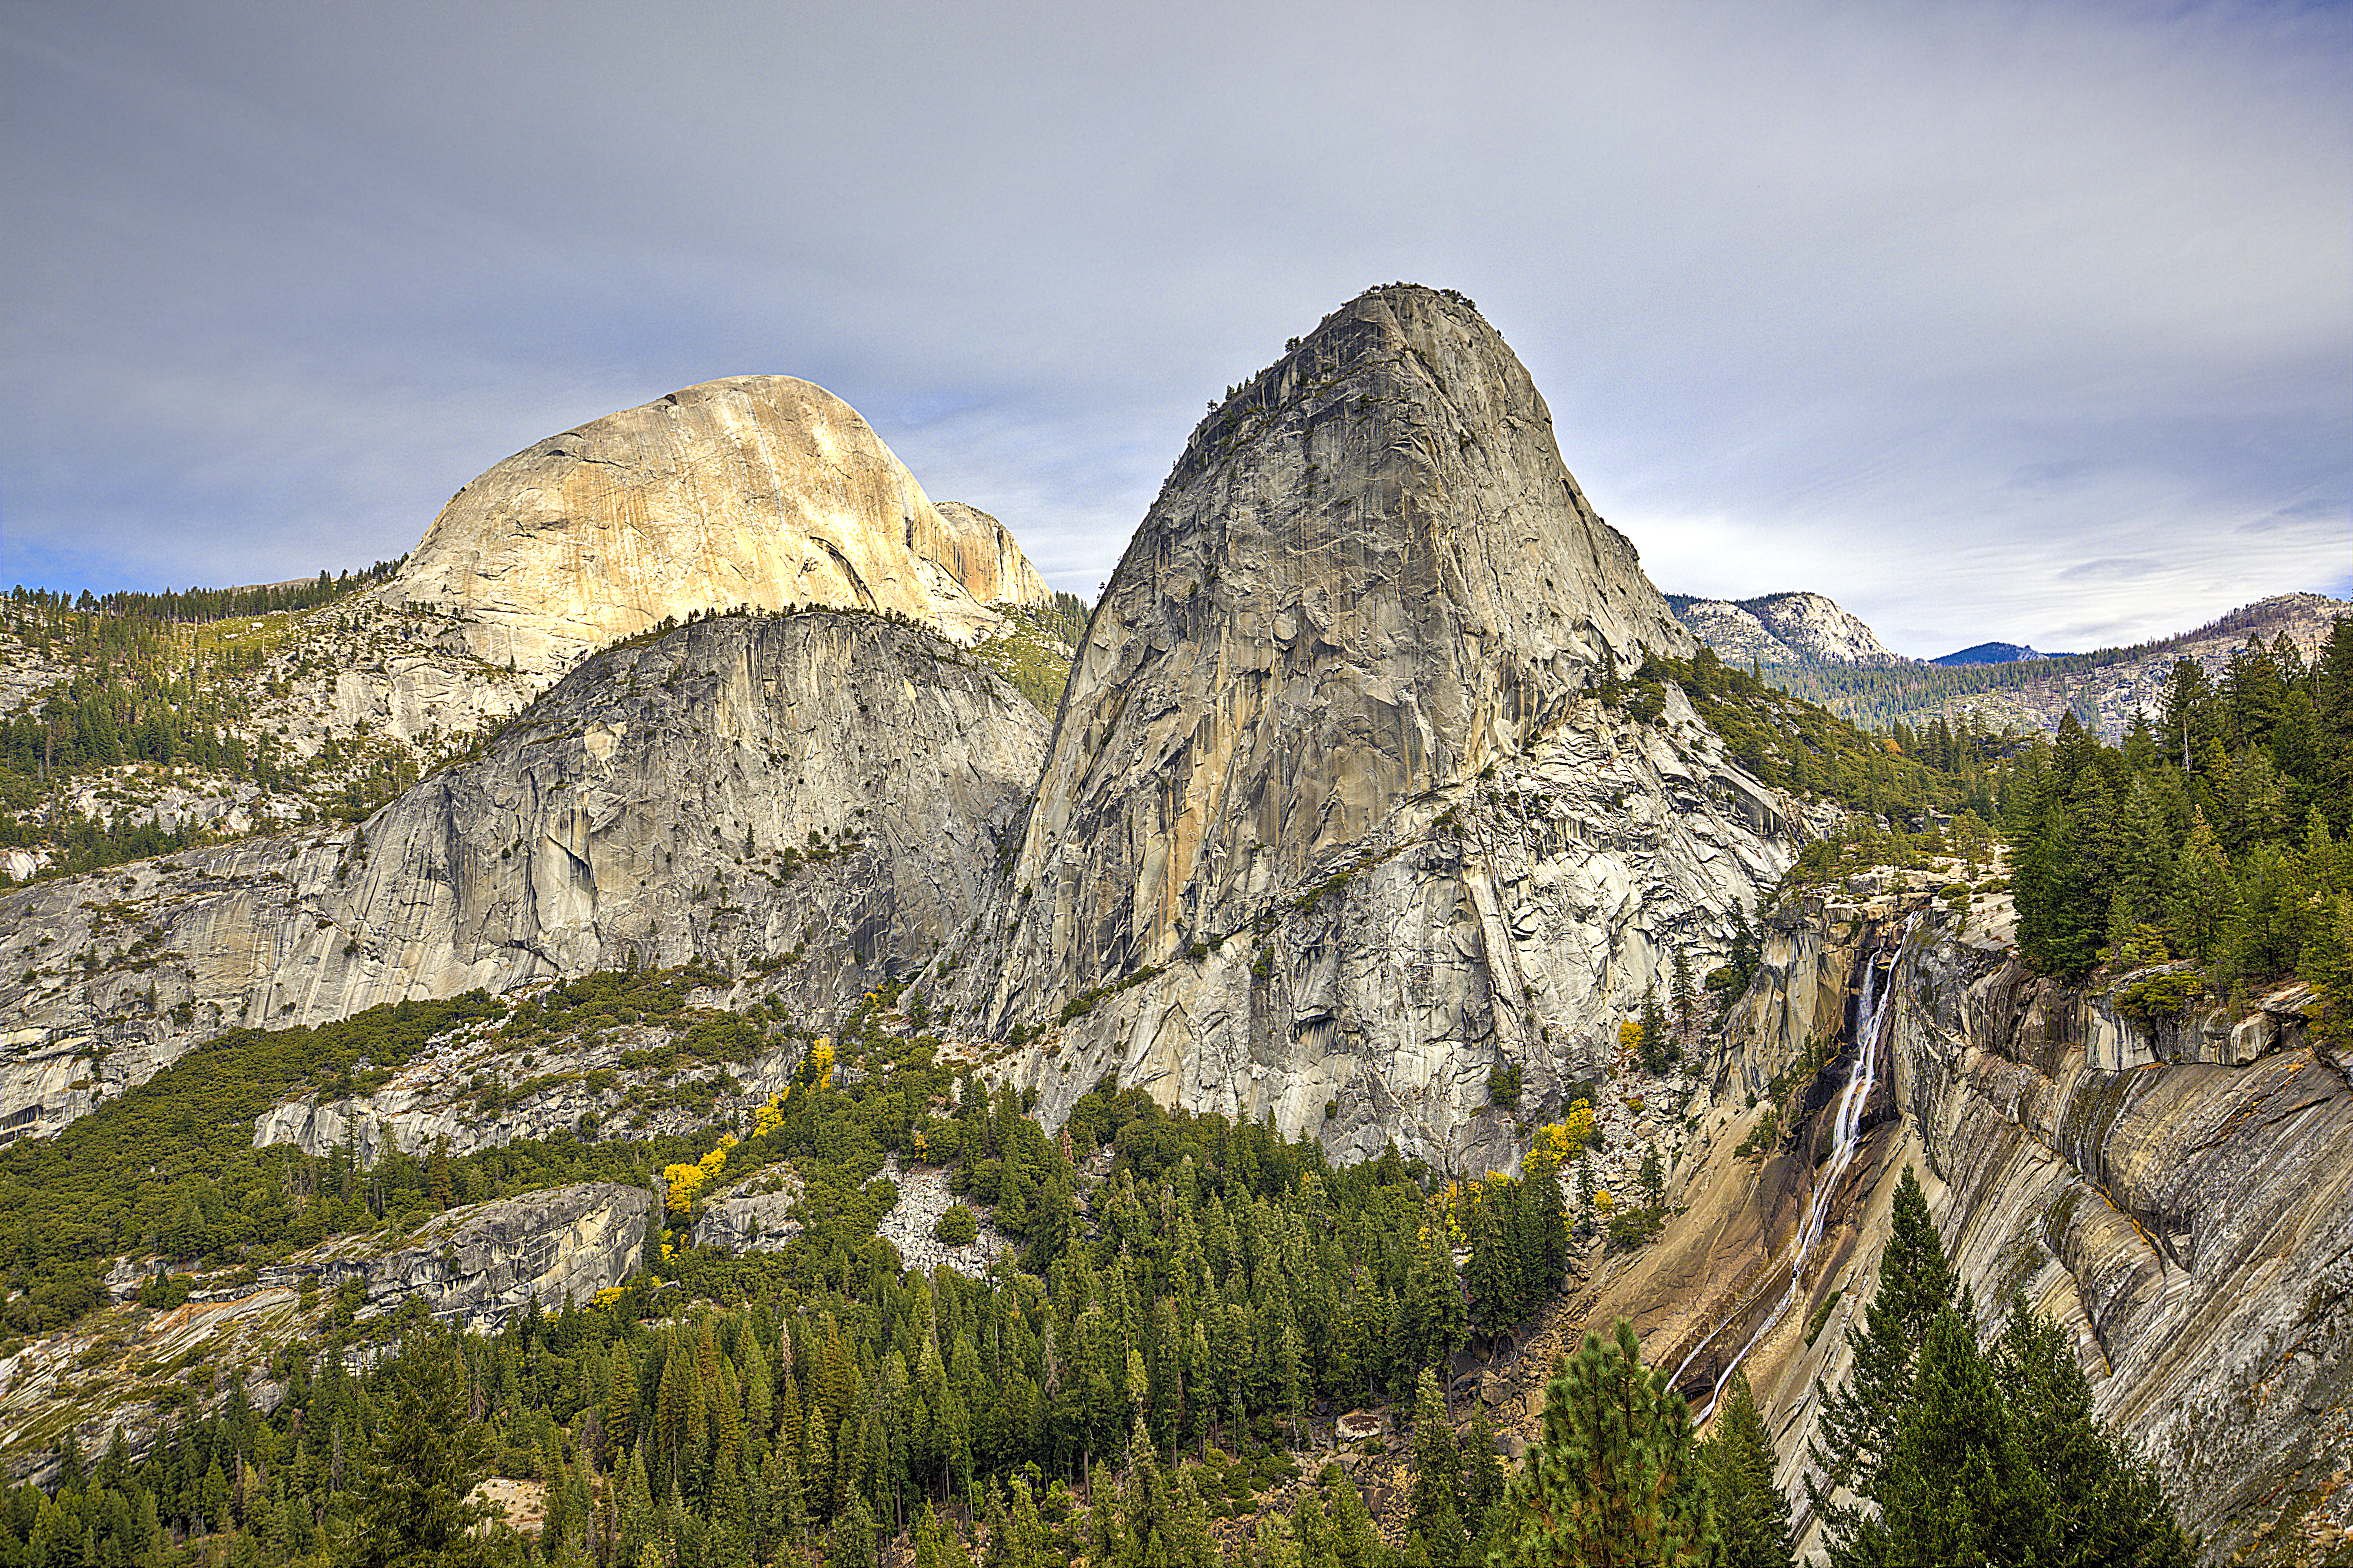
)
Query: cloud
[
  {"x": 1923, "y": 307},
  {"x": 2110, "y": 570},
  {"x": 2334, "y": 515}
]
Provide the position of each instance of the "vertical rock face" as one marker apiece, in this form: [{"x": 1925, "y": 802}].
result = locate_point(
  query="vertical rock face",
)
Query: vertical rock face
[
  {"x": 979, "y": 552},
  {"x": 1368, "y": 582},
  {"x": 760, "y": 491},
  {"x": 729, "y": 792}
]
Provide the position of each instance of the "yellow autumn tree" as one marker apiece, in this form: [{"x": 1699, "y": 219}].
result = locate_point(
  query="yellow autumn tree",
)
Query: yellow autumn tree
[
  {"x": 685, "y": 1181},
  {"x": 1561, "y": 1139},
  {"x": 771, "y": 1116}
]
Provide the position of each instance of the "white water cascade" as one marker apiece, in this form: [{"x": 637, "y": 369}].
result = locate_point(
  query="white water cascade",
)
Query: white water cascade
[{"x": 1871, "y": 1027}]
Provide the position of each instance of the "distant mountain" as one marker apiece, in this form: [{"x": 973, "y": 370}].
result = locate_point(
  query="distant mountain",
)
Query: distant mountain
[
  {"x": 1994, "y": 653},
  {"x": 1809, "y": 646},
  {"x": 2031, "y": 690},
  {"x": 1782, "y": 628}
]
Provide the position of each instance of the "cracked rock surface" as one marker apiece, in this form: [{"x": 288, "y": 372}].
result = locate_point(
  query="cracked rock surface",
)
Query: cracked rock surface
[{"x": 1332, "y": 796}]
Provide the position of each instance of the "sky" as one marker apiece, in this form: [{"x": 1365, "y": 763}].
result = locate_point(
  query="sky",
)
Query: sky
[{"x": 2028, "y": 322}]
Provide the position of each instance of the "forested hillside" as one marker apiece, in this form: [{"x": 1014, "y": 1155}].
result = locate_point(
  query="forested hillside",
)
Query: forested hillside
[
  {"x": 2100, "y": 688},
  {"x": 139, "y": 723},
  {"x": 2207, "y": 854}
]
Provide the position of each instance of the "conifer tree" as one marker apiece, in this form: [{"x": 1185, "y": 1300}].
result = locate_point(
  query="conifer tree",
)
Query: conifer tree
[
  {"x": 1434, "y": 1509},
  {"x": 2105, "y": 1503},
  {"x": 1751, "y": 1514},
  {"x": 2204, "y": 893},
  {"x": 413, "y": 1495},
  {"x": 1858, "y": 1418},
  {"x": 620, "y": 1415},
  {"x": 1684, "y": 995},
  {"x": 1958, "y": 1485},
  {"x": 1614, "y": 1479},
  {"x": 1434, "y": 1319}
]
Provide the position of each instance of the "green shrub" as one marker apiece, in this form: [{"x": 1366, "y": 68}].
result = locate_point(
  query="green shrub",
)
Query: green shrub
[{"x": 2168, "y": 994}]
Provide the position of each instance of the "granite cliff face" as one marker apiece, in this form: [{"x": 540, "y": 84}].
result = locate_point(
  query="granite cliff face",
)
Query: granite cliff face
[
  {"x": 2180, "y": 1197},
  {"x": 831, "y": 786},
  {"x": 1333, "y": 811},
  {"x": 760, "y": 491}
]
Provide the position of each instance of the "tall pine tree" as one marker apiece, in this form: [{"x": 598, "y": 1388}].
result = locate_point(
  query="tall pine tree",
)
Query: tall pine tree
[
  {"x": 1858, "y": 1418},
  {"x": 1614, "y": 1478},
  {"x": 1751, "y": 1515}
]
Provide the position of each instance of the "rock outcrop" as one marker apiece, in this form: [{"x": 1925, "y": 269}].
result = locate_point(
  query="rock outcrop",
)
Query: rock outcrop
[
  {"x": 980, "y": 553},
  {"x": 1782, "y": 628},
  {"x": 2183, "y": 1203},
  {"x": 1334, "y": 812},
  {"x": 821, "y": 794},
  {"x": 760, "y": 491},
  {"x": 476, "y": 1266},
  {"x": 753, "y": 1214}
]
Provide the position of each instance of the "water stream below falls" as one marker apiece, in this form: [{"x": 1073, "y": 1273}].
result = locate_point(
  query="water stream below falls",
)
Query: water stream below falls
[{"x": 1871, "y": 1028}]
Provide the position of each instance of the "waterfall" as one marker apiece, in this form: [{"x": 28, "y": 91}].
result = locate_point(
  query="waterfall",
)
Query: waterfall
[{"x": 1871, "y": 1027}]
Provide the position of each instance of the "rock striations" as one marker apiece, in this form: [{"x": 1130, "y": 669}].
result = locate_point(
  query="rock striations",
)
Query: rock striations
[
  {"x": 1332, "y": 814},
  {"x": 2179, "y": 1196},
  {"x": 759, "y": 490}
]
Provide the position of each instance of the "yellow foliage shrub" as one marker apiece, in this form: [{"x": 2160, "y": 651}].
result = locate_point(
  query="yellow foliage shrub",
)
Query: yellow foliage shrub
[
  {"x": 1560, "y": 1141},
  {"x": 771, "y": 1116}
]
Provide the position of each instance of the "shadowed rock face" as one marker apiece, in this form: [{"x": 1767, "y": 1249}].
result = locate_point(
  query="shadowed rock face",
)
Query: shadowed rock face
[
  {"x": 761, "y": 491},
  {"x": 719, "y": 793},
  {"x": 1368, "y": 580}
]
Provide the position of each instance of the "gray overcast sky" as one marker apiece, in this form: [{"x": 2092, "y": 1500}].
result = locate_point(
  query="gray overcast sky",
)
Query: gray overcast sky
[{"x": 2025, "y": 321}]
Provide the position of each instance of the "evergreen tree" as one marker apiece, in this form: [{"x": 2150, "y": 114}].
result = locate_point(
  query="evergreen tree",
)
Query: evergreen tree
[
  {"x": 1684, "y": 995},
  {"x": 1958, "y": 1485},
  {"x": 2105, "y": 1503},
  {"x": 1434, "y": 1509},
  {"x": 1751, "y": 1514},
  {"x": 1434, "y": 1319},
  {"x": 2204, "y": 893},
  {"x": 1614, "y": 1479},
  {"x": 412, "y": 1498},
  {"x": 1659, "y": 1053},
  {"x": 1916, "y": 1282},
  {"x": 1652, "y": 1177}
]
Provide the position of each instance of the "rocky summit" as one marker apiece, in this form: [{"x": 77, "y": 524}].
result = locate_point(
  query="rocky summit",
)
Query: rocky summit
[
  {"x": 759, "y": 490},
  {"x": 1783, "y": 628},
  {"x": 1334, "y": 811}
]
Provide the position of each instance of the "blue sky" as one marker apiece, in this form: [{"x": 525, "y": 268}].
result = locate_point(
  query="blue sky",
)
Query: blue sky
[{"x": 2029, "y": 322}]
